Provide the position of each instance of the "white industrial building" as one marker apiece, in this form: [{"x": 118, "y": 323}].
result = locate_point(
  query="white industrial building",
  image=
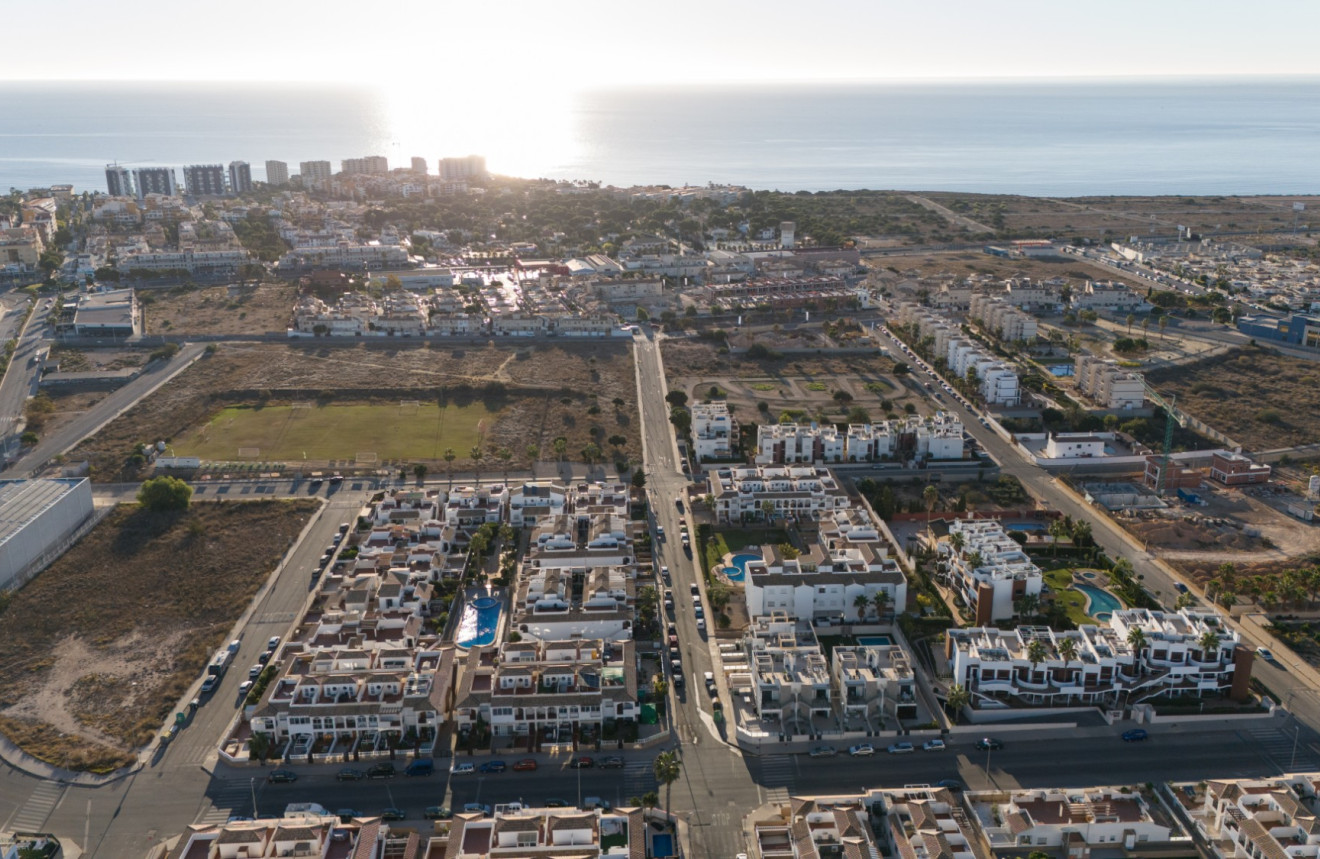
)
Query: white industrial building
[{"x": 36, "y": 518}]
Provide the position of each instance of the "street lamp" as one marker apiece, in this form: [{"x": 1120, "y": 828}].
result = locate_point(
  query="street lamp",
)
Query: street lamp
[{"x": 252, "y": 785}]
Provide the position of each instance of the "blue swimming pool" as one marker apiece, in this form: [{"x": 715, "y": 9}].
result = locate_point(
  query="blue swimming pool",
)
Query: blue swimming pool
[
  {"x": 874, "y": 640},
  {"x": 738, "y": 571},
  {"x": 1101, "y": 603},
  {"x": 481, "y": 618},
  {"x": 662, "y": 844},
  {"x": 1024, "y": 526}
]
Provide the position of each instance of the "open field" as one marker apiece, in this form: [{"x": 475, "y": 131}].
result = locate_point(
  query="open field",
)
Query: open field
[
  {"x": 584, "y": 393},
  {"x": 96, "y": 651},
  {"x": 1257, "y": 397},
  {"x": 219, "y": 309},
  {"x": 393, "y": 431},
  {"x": 960, "y": 264}
]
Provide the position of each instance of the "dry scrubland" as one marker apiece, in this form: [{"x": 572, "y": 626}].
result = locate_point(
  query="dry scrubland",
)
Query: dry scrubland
[
  {"x": 792, "y": 382},
  {"x": 96, "y": 651},
  {"x": 219, "y": 309},
  {"x": 1257, "y": 397},
  {"x": 964, "y": 263},
  {"x": 536, "y": 392}
]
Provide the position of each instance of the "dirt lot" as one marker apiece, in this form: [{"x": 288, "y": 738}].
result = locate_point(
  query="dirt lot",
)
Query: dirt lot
[
  {"x": 219, "y": 309},
  {"x": 97, "y": 360},
  {"x": 1257, "y": 397},
  {"x": 96, "y": 651},
  {"x": 964, "y": 263},
  {"x": 540, "y": 392},
  {"x": 806, "y": 382}
]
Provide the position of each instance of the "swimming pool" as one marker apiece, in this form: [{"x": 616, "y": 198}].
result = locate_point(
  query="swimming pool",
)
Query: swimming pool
[
  {"x": 1024, "y": 526},
  {"x": 1101, "y": 604},
  {"x": 662, "y": 844},
  {"x": 874, "y": 640},
  {"x": 738, "y": 571},
  {"x": 481, "y": 617}
]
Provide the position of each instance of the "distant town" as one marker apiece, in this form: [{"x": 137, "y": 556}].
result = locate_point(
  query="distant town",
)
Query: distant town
[{"x": 384, "y": 512}]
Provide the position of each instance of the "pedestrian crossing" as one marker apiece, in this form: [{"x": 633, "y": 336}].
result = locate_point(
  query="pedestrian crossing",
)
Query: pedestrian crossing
[
  {"x": 42, "y": 801},
  {"x": 191, "y": 755},
  {"x": 1284, "y": 748},
  {"x": 230, "y": 798},
  {"x": 778, "y": 777},
  {"x": 638, "y": 778}
]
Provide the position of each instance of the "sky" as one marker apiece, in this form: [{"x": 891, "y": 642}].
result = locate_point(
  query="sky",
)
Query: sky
[{"x": 525, "y": 46}]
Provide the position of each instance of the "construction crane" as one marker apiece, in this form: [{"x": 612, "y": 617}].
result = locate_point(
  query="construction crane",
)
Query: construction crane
[{"x": 1172, "y": 416}]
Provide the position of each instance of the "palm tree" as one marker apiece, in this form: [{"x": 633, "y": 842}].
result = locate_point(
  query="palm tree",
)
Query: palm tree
[
  {"x": 668, "y": 769},
  {"x": 957, "y": 541},
  {"x": 956, "y": 700},
  {"x": 1136, "y": 639},
  {"x": 930, "y": 496},
  {"x": 504, "y": 455},
  {"x": 1209, "y": 643},
  {"x": 1164, "y": 323},
  {"x": 476, "y": 454},
  {"x": 449, "y": 457},
  {"x": 1028, "y": 605},
  {"x": 1081, "y": 533},
  {"x": 861, "y": 602},
  {"x": 1057, "y": 530},
  {"x": 1131, "y": 317},
  {"x": 881, "y": 600},
  {"x": 1037, "y": 653},
  {"x": 533, "y": 452},
  {"x": 1067, "y": 652}
]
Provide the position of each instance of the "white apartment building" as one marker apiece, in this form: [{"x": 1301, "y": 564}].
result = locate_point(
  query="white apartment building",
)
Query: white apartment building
[
  {"x": 530, "y": 503},
  {"x": 989, "y": 570},
  {"x": 1185, "y": 653},
  {"x": 998, "y": 384},
  {"x": 1003, "y": 320},
  {"x": 345, "y": 255},
  {"x": 513, "y": 831},
  {"x": 1024, "y": 293},
  {"x": 1080, "y": 821},
  {"x": 546, "y": 609},
  {"x": 316, "y": 174},
  {"x": 753, "y": 492},
  {"x": 790, "y": 678},
  {"x": 371, "y": 165},
  {"x": 874, "y": 682},
  {"x": 850, "y": 559},
  {"x": 1108, "y": 385},
  {"x": 1107, "y": 295},
  {"x": 1259, "y": 818},
  {"x": 215, "y": 263},
  {"x": 1071, "y": 445},
  {"x": 545, "y": 690},
  {"x": 277, "y": 173},
  {"x": 713, "y": 430},
  {"x": 938, "y": 437}
]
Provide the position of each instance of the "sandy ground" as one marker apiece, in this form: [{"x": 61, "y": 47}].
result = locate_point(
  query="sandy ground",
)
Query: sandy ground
[{"x": 1218, "y": 532}]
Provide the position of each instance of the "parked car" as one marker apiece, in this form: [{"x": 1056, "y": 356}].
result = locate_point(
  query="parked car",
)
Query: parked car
[
  {"x": 346, "y": 815},
  {"x": 675, "y": 668},
  {"x": 1264, "y": 653},
  {"x": 696, "y": 591},
  {"x": 244, "y": 688},
  {"x": 476, "y": 808},
  {"x": 493, "y": 767},
  {"x": 265, "y": 656},
  {"x": 664, "y": 573},
  {"x": 350, "y": 774},
  {"x": 986, "y": 744},
  {"x": 824, "y": 752},
  {"x": 282, "y": 777},
  {"x": 526, "y": 764},
  {"x": 272, "y": 642},
  {"x": 556, "y": 803},
  {"x": 901, "y": 748},
  {"x": 209, "y": 684},
  {"x": 437, "y": 812},
  {"x": 420, "y": 767},
  {"x": 393, "y": 814},
  {"x": 255, "y": 671},
  {"x": 382, "y": 771},
  {"x": 462, "y": 769},
  {"x": 581, "y": 763},
  {"x": 952, "y": 784},
  {"x": 701, "y": 624},
  {"x": 933, "y": 746},
  {"x": 861, "y": 750},
  {"x": 1135, "y": 735},
  {"x": 591, "y": 803},
  {"x": 612, "y": 762},
  {"x": 710, "y": 683}
]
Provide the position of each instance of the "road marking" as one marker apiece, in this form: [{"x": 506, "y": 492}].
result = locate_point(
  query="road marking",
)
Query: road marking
[
  {"x": 1277, "y": 746},
  {"x": 40, "y": 803},
  {"x": 234, "y": 798}
]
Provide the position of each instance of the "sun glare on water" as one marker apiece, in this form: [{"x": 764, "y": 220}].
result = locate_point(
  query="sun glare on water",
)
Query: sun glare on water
[{"x": 519, "y": 134}]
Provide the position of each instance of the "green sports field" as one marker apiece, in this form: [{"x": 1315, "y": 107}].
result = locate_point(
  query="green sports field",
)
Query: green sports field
[{"x": 414, "y": 431}]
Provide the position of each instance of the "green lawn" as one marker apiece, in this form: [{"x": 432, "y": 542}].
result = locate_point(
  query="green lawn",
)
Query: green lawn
[
  {"x": 337, "y": 431},
  {"x": 1060, "y": 581}
]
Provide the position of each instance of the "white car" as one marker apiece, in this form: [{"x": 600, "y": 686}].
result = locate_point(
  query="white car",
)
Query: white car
[
  {"x": 901, "y": 749},
  {"x": 861, "y": 750},
  {"x": 1264, "y": 653},
  {"x": 462, "y": 769},
  {"x": 933, "y": 746}
]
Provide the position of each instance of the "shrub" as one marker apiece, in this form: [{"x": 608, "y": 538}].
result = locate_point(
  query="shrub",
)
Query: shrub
[{"x": 164, "y": 493}]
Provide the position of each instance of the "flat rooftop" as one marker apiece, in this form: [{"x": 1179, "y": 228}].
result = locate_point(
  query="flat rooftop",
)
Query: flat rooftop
[{"x": 22, "y": 501}]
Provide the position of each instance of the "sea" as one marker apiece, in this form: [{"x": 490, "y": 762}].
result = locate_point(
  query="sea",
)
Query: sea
[{"x": 1043, "y": 138}]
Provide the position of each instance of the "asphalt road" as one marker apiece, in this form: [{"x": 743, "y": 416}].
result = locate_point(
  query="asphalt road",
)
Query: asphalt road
[{"x": 20, "y": 380}]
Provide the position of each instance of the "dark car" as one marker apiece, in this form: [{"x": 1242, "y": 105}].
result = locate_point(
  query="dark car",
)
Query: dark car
[
  {"x": 350, "y": 774},
  {"x": 582, "y": 763},
  {"x": 556, "y": 803},
  {"x": 437, "y": 812},
  {"x": 281, "y": 776},
  {"x": 613, "y": 762},
  {"x": 381, "y": 771},
  {"x": 1135, "y": 735},
  {"x": 493, "y": 767},
  {"x": 420, "y": 767},
  {"x": 393, "y": 814},
  {"x": 986, "y": 744},
  {"x": 952, "y": 784}
]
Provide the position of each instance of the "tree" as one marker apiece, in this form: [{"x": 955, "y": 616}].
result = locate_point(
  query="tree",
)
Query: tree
[
  {"x": 1067, "y": 652},
  {"x": 1037, "y": 653},
  {"x": 1028, "y": 605},
  {"x": 476, "y": 455},
  {"x": 420, "y": 470},
  {"x": 160, "y": 494},
  {"x": 651, "y": 799},
  {"x": 1208, "y": 642},
  {"x": 881, "y": 600},
  {"x": 533, "y": 452},
  {"x": 1081, "y": 530},
  {"x": 1136, "y": 639},
  {"x": 504, "y": 455},
  {"x": 1164, "y": 323},
  {"x": 449, "y": 457},
  {"x": 1131, "y": 317},
  {"x": 560, "y": 446},
  {"x": 930, "y": 496},
  {"x": 957, "y": 699},
  {"x": 259, "y": 746},
  {"x": 639, "y": 479},
  {"x": 676, "y": 398},
  {"x": 861, "y": 602},
  {"x": 1058, "y": 530},
  {"x": 591, "y": 453},
  {"x": 668, "y": 769}
]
